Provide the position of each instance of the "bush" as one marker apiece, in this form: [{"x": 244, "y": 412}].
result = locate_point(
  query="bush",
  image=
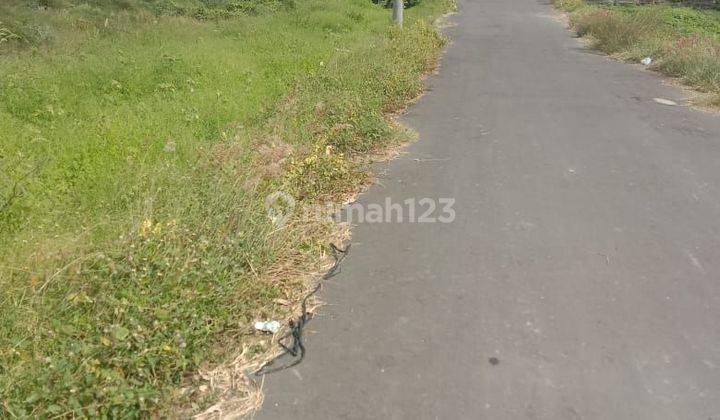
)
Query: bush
[
  {"x": 696, "y": 60},
  {"x": 614, "y": 31}
]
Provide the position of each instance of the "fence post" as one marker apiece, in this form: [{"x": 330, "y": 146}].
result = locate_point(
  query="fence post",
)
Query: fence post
[{"x": 398, "y": 12}]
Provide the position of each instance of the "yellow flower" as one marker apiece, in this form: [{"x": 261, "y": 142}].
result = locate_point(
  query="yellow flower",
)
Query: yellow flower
[{"x": 146, "y": 227}]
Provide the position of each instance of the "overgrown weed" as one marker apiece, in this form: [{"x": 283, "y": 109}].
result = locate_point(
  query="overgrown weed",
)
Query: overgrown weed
[
  {"x": 137, "y": 250},
  {"x": 682, "y": 42}
]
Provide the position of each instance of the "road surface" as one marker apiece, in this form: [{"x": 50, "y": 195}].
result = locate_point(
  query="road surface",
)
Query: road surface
[{"x": 581, "y": 276}]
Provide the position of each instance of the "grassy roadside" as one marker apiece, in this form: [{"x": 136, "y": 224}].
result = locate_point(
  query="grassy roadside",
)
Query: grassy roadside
[
  {"x": 682, "y": 42},
  {"x": 136, "y": 149}
]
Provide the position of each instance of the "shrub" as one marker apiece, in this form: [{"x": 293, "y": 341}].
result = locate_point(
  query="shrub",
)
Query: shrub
[
  {"x": 696, "y": 60},
  {"x": 614, "y": 31}
]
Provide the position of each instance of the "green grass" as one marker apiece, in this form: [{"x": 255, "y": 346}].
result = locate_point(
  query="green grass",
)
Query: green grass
[
  {"x": 42, "y": 22},
  {"x": 136, "y": 148},
  {"x": 681, "y": 20},
  {"x": 683, "y": 42}
]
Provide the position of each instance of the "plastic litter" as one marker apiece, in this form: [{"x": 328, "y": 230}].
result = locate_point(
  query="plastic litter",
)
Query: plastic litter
[
  {"x": 267, "y": 326},
  {"x": 646, "y": 61},
  {"x": 296, "y": 348}
]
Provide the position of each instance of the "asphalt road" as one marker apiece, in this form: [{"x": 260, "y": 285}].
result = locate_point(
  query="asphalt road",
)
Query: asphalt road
[{"x": 584, "y": 258}]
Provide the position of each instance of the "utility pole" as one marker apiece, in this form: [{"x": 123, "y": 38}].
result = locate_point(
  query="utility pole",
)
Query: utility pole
[{"x": 398, "y": 12}]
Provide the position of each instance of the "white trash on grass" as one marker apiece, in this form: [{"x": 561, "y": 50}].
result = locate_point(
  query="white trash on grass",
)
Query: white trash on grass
[
  {"x": 646, "y": 61},
  {"x": 267, "y": 326}
]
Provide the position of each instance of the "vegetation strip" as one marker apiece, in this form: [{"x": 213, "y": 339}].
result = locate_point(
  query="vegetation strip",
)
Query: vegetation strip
[
  {"x": 137, "y": 146},
  {"x": 682, "y": 42}
]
